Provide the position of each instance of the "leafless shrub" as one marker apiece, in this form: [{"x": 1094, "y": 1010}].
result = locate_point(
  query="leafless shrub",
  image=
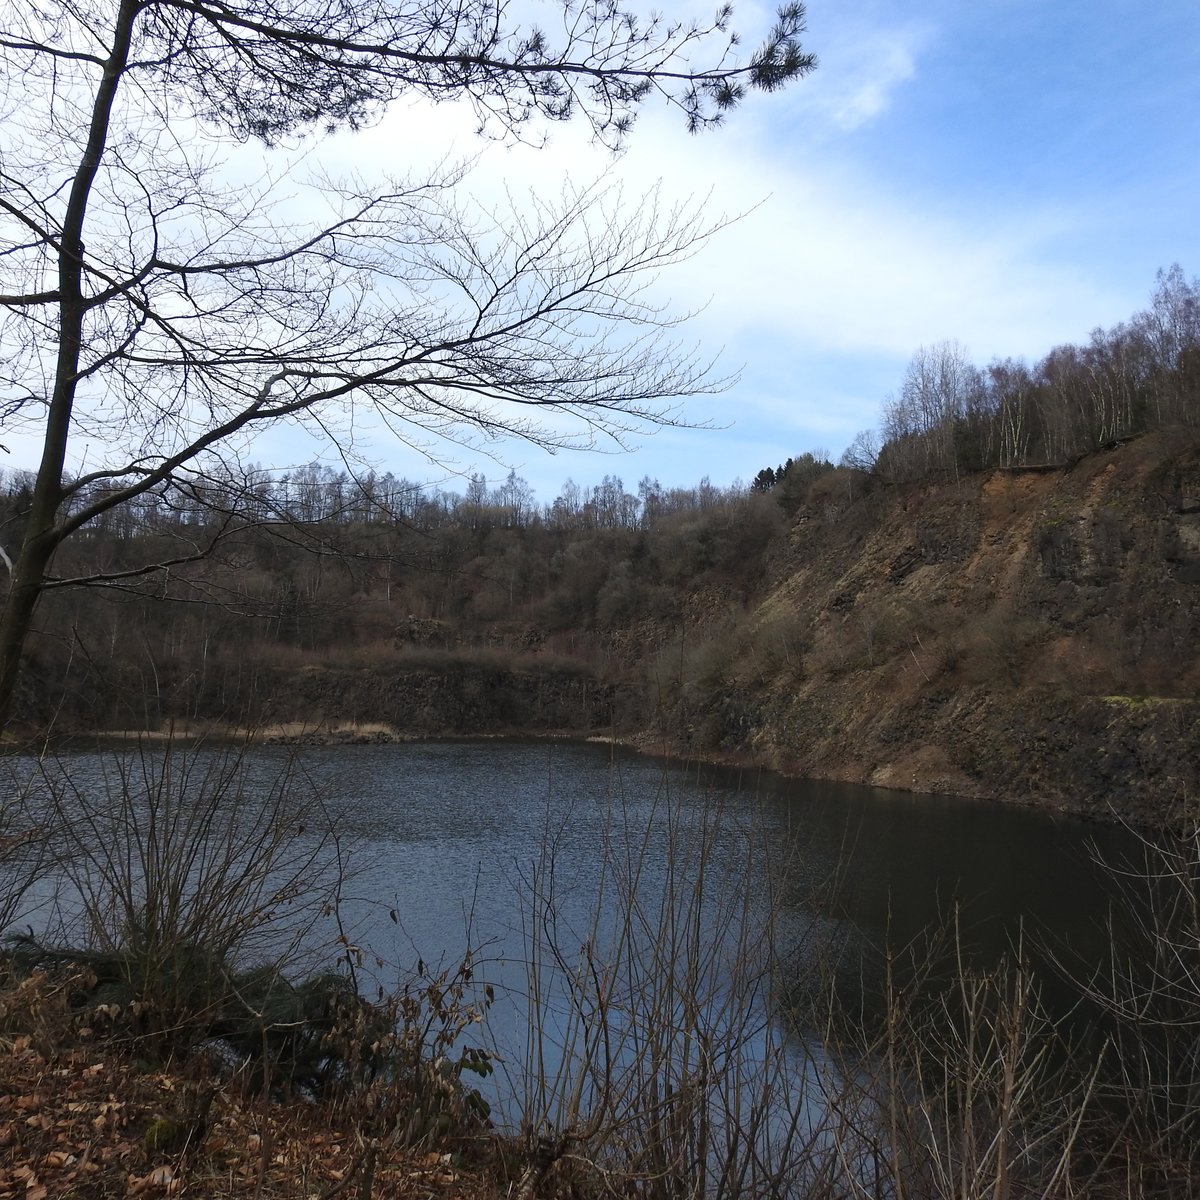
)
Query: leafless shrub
[
  {"x": 1148, "y": 996},
  {"x": 1001, "y": 645},
  {"x": 969, "y": 1091},
  {"x": 176, "y": 869},
  {"x": 429, "y": 1060},
  {"x": 24, "y": 847},
  {"x": 778, "y": 645},
  {"x": 651, "y": 1059}
]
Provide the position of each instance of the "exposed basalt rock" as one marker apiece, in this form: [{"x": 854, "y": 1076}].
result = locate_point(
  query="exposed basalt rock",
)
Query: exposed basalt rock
[
  {"x": 360, "y": 706},
  {"x": 1030, "y": 637}
]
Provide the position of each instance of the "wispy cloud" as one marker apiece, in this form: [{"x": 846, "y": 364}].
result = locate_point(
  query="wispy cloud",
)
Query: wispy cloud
[
  {"x": 822, "y": 291},
  {"x": 863, "y": 67}
]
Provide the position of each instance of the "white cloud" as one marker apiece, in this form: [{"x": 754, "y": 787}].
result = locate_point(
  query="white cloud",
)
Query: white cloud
[
  {"x": 836, "y": 274},
  {"x": 830, "y": 276},
  {"x": 861, "y": 71}
]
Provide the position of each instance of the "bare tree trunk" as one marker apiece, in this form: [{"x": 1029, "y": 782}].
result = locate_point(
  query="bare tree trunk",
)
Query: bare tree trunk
[
  {"x": 18, "y": 617},
  {"x": 41, "y": 534}
]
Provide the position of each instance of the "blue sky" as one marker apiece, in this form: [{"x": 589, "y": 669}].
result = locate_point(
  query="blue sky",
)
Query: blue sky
[
  {"x": 1005, "y": 173},
  {"x": 1008, "y": 174}
]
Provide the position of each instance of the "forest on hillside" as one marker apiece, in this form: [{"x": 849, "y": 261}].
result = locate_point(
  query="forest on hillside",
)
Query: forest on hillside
[{"x": 176, "y": 593}]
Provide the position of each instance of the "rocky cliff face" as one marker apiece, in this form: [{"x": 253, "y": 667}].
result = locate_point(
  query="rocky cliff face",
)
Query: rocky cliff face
[
  {"x": 1030, "y": 635},
  {"x": 464, "y": 700}
]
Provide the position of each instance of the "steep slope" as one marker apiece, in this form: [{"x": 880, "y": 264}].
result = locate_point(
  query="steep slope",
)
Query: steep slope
[{"x": 1027, "y": 635}]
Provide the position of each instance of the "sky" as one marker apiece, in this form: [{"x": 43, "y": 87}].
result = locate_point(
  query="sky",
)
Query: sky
[{"x": 1007, "y": 174}]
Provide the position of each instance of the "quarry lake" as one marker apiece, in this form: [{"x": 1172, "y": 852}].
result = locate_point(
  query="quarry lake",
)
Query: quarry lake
[
  {"x": 450, "y": 834},
  {"x": 447, "y": 845},
  {"x": 556, "y": 860}
]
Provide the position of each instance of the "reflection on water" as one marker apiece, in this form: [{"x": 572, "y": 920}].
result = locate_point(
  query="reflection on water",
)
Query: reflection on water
[
  {"x": 450, "y": 844},
  {"x": 455, "y": 827}
]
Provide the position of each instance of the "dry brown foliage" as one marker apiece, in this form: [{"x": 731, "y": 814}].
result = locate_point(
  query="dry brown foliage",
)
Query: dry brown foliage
[{"x": 86, "y": 1120}]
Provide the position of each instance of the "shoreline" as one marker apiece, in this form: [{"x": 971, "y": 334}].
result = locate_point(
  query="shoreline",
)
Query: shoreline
[{"x": 643, "y": 742}]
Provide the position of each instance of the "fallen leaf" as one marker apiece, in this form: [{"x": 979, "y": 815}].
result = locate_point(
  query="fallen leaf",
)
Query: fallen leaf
[{"x": 160, "y": 1177}]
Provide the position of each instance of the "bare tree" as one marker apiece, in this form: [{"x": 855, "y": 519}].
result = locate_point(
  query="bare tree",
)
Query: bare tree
[
  {"x": 1012, "y": 386},
  {"x": 1171, "y": 327},
  {"x": 933, "y": 398},
  {"x": 161, "y": 314}
]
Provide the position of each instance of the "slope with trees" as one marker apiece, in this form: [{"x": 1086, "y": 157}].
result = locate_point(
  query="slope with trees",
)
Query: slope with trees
[
  {"x": 937, "y": 611},
  {"x": 951, "y": 417},
  {"x": 161, "y": 314}
]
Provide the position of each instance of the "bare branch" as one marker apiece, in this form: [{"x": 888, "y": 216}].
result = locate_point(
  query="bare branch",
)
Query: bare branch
[{"x": 161, "y": 313}]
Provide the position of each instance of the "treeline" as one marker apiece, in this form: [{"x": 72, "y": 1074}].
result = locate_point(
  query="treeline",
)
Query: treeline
[
  {"x": 951, "y": 417},
  {"x": 377, "y": 573},
  {"x": 317, "y": 494},
  {"x": 199, "y": 583}
]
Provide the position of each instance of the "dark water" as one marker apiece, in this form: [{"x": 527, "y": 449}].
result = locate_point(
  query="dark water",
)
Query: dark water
[
  {"x": 453, "y": 835},
  {"x": 444, "y": 833},
  {"x": 455, "y": 826},
  {"x": 506, "y": 846}
]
